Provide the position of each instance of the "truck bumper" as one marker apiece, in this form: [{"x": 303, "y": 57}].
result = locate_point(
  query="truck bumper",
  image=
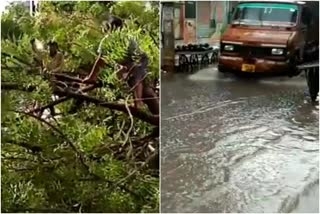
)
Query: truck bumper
[{"x": 232, "y": 63}]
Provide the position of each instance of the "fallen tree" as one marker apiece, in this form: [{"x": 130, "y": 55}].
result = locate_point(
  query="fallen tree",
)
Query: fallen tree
[{"x": 104, "y": 155}]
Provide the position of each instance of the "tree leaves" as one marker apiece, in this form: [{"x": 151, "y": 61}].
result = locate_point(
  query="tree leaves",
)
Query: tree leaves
[{"x": 40, "y": 169}]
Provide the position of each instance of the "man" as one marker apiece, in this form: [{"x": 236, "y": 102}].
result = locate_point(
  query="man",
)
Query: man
[
  {"x": 55, "y": 64},
  {"x": 52, "y": 64},
  {"x": 56, "y": 61},
  {"x": 129, "y": 71}
]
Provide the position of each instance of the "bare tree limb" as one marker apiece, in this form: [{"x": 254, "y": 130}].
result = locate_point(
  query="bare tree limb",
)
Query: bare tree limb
[
  {"x": 18, "y": 87},
  {"x": 152, "y": 119},
  {"x": 29, "y": 147},
  {"x": 62, "y": 77},
  {"x": 61, "y": 100}
]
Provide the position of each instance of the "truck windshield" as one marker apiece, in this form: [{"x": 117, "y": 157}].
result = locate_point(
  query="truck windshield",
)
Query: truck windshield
[{"x": 266, "y": 14}]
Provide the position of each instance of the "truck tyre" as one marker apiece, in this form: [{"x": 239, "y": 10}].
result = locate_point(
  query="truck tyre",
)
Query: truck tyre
[
  {"x": 293, "y": 62},
  {"x": 221, "y": 69},
  {"x": 312, "y": 76}
]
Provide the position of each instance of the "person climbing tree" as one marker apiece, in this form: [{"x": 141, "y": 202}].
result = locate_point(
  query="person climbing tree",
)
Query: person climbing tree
[
  {"x": 131, "y": 72},
  {"x": 56, "y": 60}
]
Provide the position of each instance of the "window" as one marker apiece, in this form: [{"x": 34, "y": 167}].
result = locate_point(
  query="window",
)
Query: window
[
  {"x": 266, "y": 13},
  {"x": 190, "y": 10}
]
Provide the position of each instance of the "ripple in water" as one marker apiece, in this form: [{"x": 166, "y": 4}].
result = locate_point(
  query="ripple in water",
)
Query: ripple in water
[{"x": 245, "y": 154}]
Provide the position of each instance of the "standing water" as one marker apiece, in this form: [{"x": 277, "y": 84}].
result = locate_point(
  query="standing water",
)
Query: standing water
[{"x": 238, "y": 144}]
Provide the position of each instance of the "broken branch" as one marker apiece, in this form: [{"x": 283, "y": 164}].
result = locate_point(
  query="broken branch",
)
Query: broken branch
[
  {"x": 17, "y": 87},
  {"x": 61, "y": 100},
  {"x": 154, "y": 120}
]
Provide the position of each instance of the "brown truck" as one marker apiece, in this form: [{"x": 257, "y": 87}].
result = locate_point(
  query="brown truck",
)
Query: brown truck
[{"x": 270, "y": 36}]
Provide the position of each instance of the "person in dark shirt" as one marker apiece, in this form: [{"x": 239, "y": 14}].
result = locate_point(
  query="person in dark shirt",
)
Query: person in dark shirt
[
  {"x": 56, "y": 62},
  {"x": 131, "y": 72}
]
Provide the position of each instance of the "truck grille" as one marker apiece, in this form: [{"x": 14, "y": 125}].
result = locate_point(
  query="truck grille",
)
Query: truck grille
[
  {"x": 247, "y": 51},
  {"x": 254, "y": 51}
]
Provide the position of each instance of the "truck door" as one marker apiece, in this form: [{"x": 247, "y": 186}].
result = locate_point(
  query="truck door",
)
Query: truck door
[{"x": 306, "y": 36}]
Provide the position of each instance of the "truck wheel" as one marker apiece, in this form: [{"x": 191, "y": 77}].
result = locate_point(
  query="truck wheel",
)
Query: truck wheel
[
  {"x": 312, "y": 76},
  {"x": 221, "y": 69},
  {"x": 293, "y": 70}
]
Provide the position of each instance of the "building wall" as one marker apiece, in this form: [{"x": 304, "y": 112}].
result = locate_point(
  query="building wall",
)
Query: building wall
[
  {"x": 167, "y": 36},
  {"x": 206, "y": 26},
  {"x": 204, "y": 19},
  {"x": 189, "y": 24},
  {"x": 178, "y": 16}
]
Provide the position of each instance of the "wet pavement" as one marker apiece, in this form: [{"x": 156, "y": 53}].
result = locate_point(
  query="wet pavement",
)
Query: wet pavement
[{"x": 231, "y": 144}]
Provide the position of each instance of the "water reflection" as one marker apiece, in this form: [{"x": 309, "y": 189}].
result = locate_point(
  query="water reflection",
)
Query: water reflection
[{"x": 236, "y": 145}]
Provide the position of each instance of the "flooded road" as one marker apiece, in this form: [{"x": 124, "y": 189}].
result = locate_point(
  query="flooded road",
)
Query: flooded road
[{"x": 233, "y": 144}]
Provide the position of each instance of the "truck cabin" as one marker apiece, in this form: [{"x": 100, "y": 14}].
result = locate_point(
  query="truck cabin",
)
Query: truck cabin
[
  {"x": 269, "y": 14},
  {"x": 270, "y": 36}
]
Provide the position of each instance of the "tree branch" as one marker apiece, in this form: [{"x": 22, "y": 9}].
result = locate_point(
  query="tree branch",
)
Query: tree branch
[
  {"x": 39, "y": 210},
  {"x": 61, "y": 100},
  {"x": 154, "y": 120},
  {"x": 16, "y": 58},
  {"x": 151, "y": 157},
  {"x": 27, "y": 146},
  {"x": 18, "y": 87},
  {"x": 79, "y": 153},
  {"x": 62, "y": 77},
  {"x": 153, "y": 38}
]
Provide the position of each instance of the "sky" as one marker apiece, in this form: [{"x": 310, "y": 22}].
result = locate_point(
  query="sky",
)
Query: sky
[{"x": 3, "y": 4}]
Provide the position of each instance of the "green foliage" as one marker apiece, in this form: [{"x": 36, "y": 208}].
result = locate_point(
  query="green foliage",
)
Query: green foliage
[
  {"x": 41, "y": 171},
  {"x": 15, "y": 22}
]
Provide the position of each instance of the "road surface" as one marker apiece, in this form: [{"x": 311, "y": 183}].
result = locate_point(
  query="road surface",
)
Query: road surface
[{"x": 231, "y": 144}]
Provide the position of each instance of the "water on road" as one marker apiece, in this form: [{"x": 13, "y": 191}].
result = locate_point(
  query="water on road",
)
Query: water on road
[{"x": 231, "y": 144}]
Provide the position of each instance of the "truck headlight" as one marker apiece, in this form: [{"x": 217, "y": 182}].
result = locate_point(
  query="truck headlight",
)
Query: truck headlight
[
  {"x": 228, "y": 47},
  {"x": 277, "y": 51}
]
